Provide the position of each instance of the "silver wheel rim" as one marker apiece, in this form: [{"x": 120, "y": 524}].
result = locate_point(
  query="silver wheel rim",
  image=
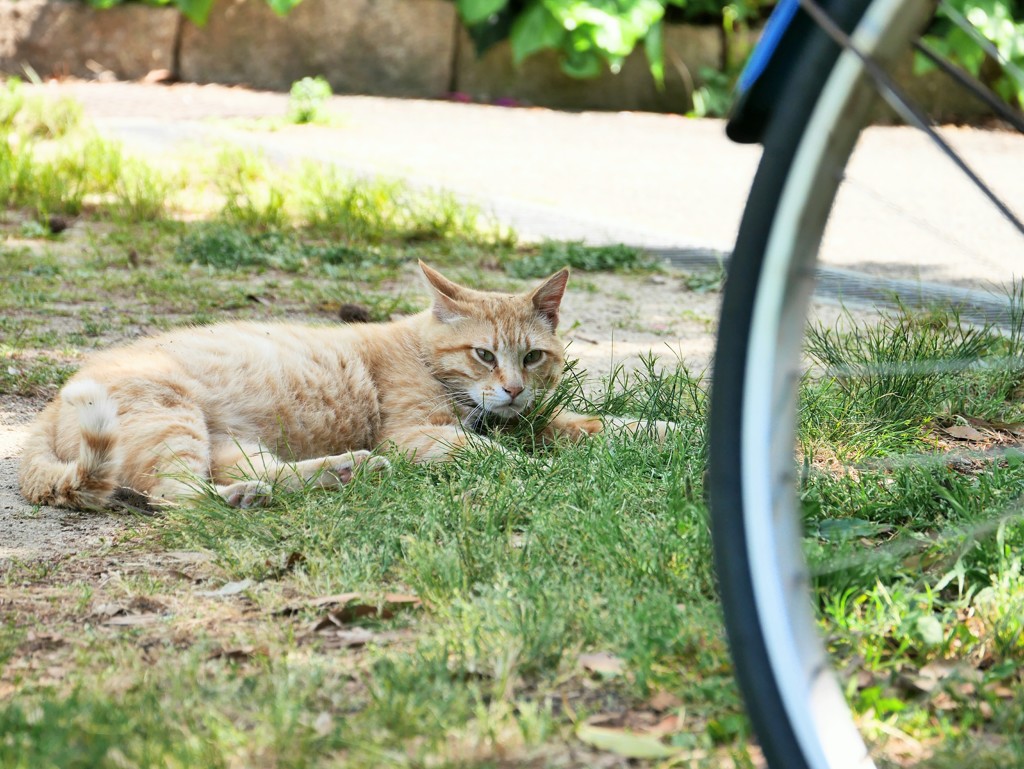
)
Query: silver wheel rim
[{"x": 814, "y": 704}]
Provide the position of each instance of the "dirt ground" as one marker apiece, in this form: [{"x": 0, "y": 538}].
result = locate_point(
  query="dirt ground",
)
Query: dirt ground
[{"x": 607, "y": 321}]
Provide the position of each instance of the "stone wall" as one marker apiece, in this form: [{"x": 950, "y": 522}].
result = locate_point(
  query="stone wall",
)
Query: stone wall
[
  {"x": 413, "y": 48},
  {"x": 72, "y": 39},
  {"x": 386, "y": 47},
  {"x": 540, "y": 80}
]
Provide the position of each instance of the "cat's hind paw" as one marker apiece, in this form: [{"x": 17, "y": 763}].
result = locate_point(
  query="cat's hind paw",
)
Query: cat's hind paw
[
  {"x": 362, "y": 458},
  {"x": 246, "y": 494},
  {"x": 340, "y": 468},
  {"x": 376, "y": 465}
]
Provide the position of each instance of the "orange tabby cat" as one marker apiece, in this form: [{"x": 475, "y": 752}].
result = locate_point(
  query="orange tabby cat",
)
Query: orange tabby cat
[{"x": 249, "y": 405}]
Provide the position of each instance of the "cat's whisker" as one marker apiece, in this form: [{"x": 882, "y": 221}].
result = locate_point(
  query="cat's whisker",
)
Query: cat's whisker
[
  {"x": 439, "y": 404},
  {"x": 474, "y": 420}
]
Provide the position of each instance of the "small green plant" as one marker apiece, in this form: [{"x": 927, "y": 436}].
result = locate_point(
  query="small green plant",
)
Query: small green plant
[
  {"x": 253, "y": 193},
  {"x": 307, "y": 101},
  {"x": 714, "y": 96},
  {"x": 12, "y": 99},
  {"x": 141, "y": 192},
  {"x": 706, "y": 280},
  {"x": 909, "y": 368},
  {"x": 553, "y": 255},
  {"x": 37, "y": 116},
  {"x": 228, "y": 246}
]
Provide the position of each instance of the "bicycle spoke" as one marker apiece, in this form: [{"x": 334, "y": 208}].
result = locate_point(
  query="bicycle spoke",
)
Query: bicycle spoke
[
  {"x": 972, "y": 84},
  {"x": 917, "y": 543},
  {"x": 897, "y": 99},
  {"x": 986, "y": 45}
]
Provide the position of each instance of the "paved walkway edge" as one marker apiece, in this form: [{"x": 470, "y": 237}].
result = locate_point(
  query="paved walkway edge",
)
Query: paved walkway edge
[{"x": 848, "y": 287}]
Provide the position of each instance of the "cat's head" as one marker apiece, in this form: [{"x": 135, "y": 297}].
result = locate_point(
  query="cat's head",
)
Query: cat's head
[{"x": 496, "y": 353}]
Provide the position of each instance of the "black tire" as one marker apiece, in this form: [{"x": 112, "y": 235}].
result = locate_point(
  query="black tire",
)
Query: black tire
[{"x": 795, "y": 704}]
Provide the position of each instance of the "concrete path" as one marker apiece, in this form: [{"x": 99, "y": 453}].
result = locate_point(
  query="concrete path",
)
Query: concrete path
[{"x": 644, "y": 179}]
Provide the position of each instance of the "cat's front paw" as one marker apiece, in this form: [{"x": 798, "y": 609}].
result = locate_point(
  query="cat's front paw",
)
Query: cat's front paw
[
  {"x": 575, "y": 427},
  {"x": 246, "y": 494}
]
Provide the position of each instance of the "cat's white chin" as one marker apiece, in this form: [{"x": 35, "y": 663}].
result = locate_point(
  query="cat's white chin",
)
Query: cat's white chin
[{"x": 506, "y": 412}]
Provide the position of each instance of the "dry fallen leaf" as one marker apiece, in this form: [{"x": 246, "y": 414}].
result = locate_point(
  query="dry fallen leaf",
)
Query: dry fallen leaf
[
  {"x": 964, "y": 433},
  {"x": 141, "y": 610},
  {"x": 347, "y": 638},
  {"x": 228, "y": 589},
  {"x": 667, "y": 725},
  {"x": 606, "y": 719},
  {"x": 109, "y": 610},
  {"x": 288, "y": 564},
  {"x": 624, "y": 743},
  {"x": 663, "y": 700},
  {"x": 239, "y": 654},
  {"x": 353, "y": 606},
  {"x": 603, "y": 663},
  {"x": 130, "y": 620},
  {"x": 1014, "y": 428}
]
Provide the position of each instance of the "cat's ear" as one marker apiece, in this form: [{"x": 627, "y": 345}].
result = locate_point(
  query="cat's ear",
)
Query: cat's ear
[
  {"x": 446, "y": 295},
  {"x": 547, "y": 297}
]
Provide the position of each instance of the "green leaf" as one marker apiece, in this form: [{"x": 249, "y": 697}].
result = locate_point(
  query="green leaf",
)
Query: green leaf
[
  {"x": 582, "y": 65},
  {"x": 624, "y": 743},
  {"x": 845, "y": 529},
  {"x": 614, "y": 29},
  {"x": 581, "y": 59},
  {"x": 654, "y": 48},
  {"x": 534, "y": 30},
  {"x": 922, "y": 64},
  {"x": 930, "y": 630},
  {"x": 196, "y": 11},
  {"x": 282, "y": 7},
  {"x": 477, "y": 11}
]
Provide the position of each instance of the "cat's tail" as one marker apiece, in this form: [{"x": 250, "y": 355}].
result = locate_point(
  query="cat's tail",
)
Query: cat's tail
[{"x": 88, "y": 481}]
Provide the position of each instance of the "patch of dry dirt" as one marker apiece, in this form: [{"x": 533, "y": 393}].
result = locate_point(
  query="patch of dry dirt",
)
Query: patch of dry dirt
[{"x": 28, "y": 532}]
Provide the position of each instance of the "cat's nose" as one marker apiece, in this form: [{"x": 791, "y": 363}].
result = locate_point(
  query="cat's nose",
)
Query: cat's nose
[{"x": 512, "y": 390}]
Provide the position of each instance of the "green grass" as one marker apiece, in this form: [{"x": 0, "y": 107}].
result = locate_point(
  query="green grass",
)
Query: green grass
[
  {"x": 915, "y": 535},
  {"x": 190, "y": 711},
  {"x": 551, "y": 256},
  {"x": 515, "y": 586},
  {"x": 523, "y": 561},
  {"x": 888, "y": 381}
]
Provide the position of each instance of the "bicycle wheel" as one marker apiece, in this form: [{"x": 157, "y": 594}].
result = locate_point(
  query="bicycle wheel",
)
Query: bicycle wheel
[{"x": 798, "y": 706}]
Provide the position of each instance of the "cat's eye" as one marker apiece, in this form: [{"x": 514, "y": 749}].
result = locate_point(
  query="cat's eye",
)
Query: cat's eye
[
  {"x": 485, "y": 355},
  {"x": 533, "y": 356}
]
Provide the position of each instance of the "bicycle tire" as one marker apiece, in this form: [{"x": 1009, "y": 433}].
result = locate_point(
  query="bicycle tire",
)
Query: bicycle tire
[{"x": 793, "y": 698}]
